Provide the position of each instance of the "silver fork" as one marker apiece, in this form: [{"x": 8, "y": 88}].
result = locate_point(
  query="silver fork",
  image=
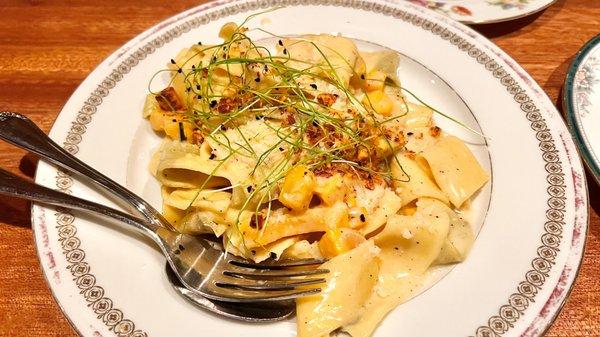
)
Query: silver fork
[{"x": 200, "y": 265}]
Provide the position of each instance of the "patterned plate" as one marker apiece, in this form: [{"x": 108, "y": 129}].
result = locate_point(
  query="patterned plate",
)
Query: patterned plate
[
  {"x": 485, "y": 11},
  {"x": 581, "y": 102},
  {"x": 532, "y": 217}
]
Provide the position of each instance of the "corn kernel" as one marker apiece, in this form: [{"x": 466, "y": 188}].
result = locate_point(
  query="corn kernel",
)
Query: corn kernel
[
  {"x": 228, "y": 30},
  {"x": 297, "y": 188},
  {"x": 338, "y": 241},
  {"x": 183, "y": 131},
  {"x": 157, "y": 120},
  {"x": 363, "y": 153},
  {"x": 375, "y": 80},
  {"x": 379, "y": 102},
  {"x": 383, "y": 147}
]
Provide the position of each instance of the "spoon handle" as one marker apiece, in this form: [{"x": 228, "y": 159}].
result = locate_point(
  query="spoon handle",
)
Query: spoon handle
[
  {"x": 15, "y": 186},
  {"x": 20, "y": 131}
]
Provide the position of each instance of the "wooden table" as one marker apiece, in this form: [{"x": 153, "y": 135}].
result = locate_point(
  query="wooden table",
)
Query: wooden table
[{"x": 48, "y": 47}]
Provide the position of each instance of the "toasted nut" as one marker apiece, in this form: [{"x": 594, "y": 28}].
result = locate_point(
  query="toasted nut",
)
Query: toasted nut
[
  {"x": 435, "y": 131},
  {"x": 327, "y": 99}
]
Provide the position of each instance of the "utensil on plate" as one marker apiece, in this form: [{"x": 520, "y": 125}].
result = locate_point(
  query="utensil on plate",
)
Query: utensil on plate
[
  {"x": 248, "y": 312},
  {"x": 201, "y": 267},
  {"x": 263, "y": 312},
  {"x": 20, "y": 131},
  {"x": 231, "y": 279}
]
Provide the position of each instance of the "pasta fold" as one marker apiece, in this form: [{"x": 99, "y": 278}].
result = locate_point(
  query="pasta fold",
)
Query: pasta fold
[
  {"x": 409, "y": 245},
  {"x": 414, "y": 181},
  {"x": 350, "y": 281},
  {"x": 455, "y": 169}
]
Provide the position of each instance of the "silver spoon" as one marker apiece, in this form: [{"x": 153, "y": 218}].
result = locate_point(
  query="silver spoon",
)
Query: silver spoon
[{"x": 248, "y": 312}]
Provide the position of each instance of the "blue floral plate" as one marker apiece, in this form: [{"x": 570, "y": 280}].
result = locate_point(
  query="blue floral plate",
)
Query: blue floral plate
[{"x": 581, "y": 103}]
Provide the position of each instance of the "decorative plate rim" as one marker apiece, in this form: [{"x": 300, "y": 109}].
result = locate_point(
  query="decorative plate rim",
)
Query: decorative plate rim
[
  {"x": 568, "y": 101},
  {"x": 451, "y": 31}
]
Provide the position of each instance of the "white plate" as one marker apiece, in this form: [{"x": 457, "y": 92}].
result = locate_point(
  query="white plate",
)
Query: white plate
[
  {"x": 581, "y": 102},
  {"x": 532, "y": 216},
  {"x": 484, "y": 11}
]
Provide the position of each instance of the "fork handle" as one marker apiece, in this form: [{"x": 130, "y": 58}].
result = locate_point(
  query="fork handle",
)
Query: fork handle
[
  {"x": 20, "y": 131},
  {"x": 15, "y": 186}
]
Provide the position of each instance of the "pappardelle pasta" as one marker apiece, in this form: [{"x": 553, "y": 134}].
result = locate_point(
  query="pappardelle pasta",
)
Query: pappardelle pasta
[{"x": 307, "y": 147}]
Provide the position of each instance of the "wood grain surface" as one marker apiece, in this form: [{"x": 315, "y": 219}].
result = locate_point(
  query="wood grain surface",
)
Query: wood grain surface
[{"x": 48, "y": 47}]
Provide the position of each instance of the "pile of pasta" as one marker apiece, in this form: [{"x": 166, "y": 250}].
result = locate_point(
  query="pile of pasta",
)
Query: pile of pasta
[{"x": 309, "y": 149}]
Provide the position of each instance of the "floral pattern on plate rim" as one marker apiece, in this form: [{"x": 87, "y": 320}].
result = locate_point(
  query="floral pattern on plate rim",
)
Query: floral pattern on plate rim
[
  {"x": 581, "y": 85},
  {"x": 587, "y": 81},
  {"x": 443, "y": 7},
  {"x": 509, "y": 4},
  {"x": 464, "y": 9}
]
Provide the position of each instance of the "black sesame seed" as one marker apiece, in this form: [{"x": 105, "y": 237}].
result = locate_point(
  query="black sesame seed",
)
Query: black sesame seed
[
  {"x": 363, "y": 218},
  {"x": 213, "y": 103},
  {"x": 257, "y": 79},
  {"x": 410, "y": 133},
  {"x": 284, "y": 51},
  {"x": 172, "y": 61},
  {"x": 362, "y": 76},
  {"x": 179, "y": 70},
  {"x": 314, "y": 86},
  {"x": 280, "y": 42},
  {"x": 212, "y": 156},
  {"x": 249, "y": 189}
]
